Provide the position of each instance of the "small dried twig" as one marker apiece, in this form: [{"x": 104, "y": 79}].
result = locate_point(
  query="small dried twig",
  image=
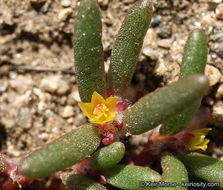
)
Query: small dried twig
[{"x": 4, "y": 70}]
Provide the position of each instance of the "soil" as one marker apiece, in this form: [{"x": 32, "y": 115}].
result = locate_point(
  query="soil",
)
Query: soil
[{"x": 38, "y": 106}]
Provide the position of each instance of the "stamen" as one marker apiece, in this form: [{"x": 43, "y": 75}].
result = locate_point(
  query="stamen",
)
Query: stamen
[{"x": 100, "y": 110}]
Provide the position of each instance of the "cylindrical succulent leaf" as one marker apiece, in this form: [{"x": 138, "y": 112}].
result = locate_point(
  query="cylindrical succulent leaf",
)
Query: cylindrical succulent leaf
[
  {"x": 131, "y": 177},
  {"x": 80, "y": 182},
  {"x": 195, "y": 54},
  {"x": 128, "y": 45},
  {"x": 88, "y": 51},
  {"x": 61, "y": 153},
  {"x": 174, "y": 173},
  {"x": 203, "y": 167},
  {"x": 158, "y": 106},
  {"x": 108, "y": 156},
  {"x": 194, "y": 61}
]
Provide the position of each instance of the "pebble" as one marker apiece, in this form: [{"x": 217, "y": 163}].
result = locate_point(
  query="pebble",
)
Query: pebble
[
  {"x": 218, "y": 108},
  {"x": 219, "y": 11},
  {"x": 73, "y": 98},
  {"x": 108, "y": 20},
  {"x": 209, "y": 101},
  {"x": 165, "y": 43},
  {"x": 150, "y": 52},
  {"x": 215, "y": 1},
  {"x": 64, "y": 13},
  {"x": 103, "y": 3},
  {"x": 219, "y": 49},
  {"x": 3, "y": 85},
  {"x": 79, "y": 120},
  {"x": 67, "y": 112},
  {"x": 160, "y": 68},
  {"x": 213, "y": 74},
  {"x": 156, "y": 20},
  {"x": 54, "y": 84},
  {"x": 42, "y": 106},
  {"x": 24, "y": 118},
  {"x": 66, "y": 3},
  {"x": 164, "y": 32},
  {"x": 24, "y": 99},
  {"x": 37, "y": 1},
  {"x": 219, "y": 93},
  {"x": 21, "y": 84},
  {"x": 43, "y": 97},
  {"x": 7, "y": 17}
]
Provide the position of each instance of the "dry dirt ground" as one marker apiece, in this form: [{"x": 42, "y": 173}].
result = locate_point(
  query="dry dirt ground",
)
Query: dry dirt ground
[{"x": 37, "y": 107}]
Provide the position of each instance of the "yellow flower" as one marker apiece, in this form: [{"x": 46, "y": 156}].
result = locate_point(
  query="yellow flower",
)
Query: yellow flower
[
  {"x": 99, "y": 110},
  {"x": 198, "y": 141}
]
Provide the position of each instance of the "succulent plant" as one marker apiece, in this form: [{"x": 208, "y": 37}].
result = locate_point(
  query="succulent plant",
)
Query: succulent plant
[{"x": 94, "y": 152}]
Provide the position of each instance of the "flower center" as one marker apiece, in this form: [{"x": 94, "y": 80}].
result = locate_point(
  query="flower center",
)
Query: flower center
[{"x": 100, "y": 110}]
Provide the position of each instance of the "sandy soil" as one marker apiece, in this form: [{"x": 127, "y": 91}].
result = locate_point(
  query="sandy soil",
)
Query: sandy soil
[{"x": 37, "y": 107}]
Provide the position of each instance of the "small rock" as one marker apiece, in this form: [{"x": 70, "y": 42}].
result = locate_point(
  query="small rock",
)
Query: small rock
[
  {"x": 63, "y": 14},
  {"x": 160, "y": 68},
  {"x": 103, "y": 3},
  {"x": 54, "y": 84},
  {"x": 37, "y": 1},
  {"x": 108, "y": 20},
  {"x": 24, "y": 118},
  {"x": 209, "y": 101},
  {"x": 72, "y": 99},
  {"x": 21, "y": 84},
  {"x": 3, "y": 85},
  {"x": 165, "y": 43},
  {"x": 219, "y": 93},
  {"x": 219, "y": 49},
  {"x": 215, "y": 1},
  {"x": 150, "y": 52},
  {"x": 80, "y": 119},
  {"x": 42, "y": 106},
  {"x": 128, "y": 1},
  {"x": 156, "y": 20},
  {"x": 7, "y": 16},
  {"x": 218, "y": 35},
  {"x": 165, "y": 32},
  {"x": 70, "y": 120},
  {"x": 213, "y": 74},
  {"x": 218, "y": 108},
  {"x": 43, "y": 97},
  {"x": 219, "y": 11},
  {"x": 150, "y": 38},
  {"x": 66, "y": 3},
  {"x": 67, "y": 112},
  {"x": 24, "y": 99},
  {"x": 63, "y": 87},
  {"x": 7, "y": 122}
]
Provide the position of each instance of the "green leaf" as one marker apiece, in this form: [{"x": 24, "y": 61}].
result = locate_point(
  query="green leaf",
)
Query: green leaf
[
  {"x": 195, "y": 54},
  {"x": 128, "y": 45},
  {"x": 108, "y": 156},
  {"x": 203, "y": 167},
  {"x": 194, "y": 61},
  {"x": 88, "y": 51},
  {"x": 174, "y": 173},
  {"x": 162, "y": 104},
  {"x": 130, "y": 177},
  {"x": 61, "y": 153},
  {"x": 80, "y": 182}
]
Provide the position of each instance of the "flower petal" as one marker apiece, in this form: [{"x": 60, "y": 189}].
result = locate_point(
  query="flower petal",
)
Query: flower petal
[
  {"x": 198, "y": 141},
  {"x": 111, "y": 103},
  {"x": 87, "y": 109},
  {"x": 97, "y": 99}
]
